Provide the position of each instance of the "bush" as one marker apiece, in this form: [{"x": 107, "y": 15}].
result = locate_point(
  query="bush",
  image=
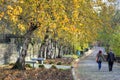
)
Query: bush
[
  {"x": 53, "y": 67},
  {"x": 11, "y": 64},
  {"x": 51, "y": 62},
  {"x": 45, "y": 62},
  {"x": 41, "y": 66},
  {"x": 59, "y": 63},
  {"x": 75, "y": 56},
  {"x": 28, "y": 65}
]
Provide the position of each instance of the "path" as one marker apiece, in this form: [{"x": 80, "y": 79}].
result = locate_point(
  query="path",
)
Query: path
[{"x": 87, "y": 69}]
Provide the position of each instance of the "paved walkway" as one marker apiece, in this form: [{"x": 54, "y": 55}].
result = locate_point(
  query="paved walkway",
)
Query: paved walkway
[{"x": 86, "y": 69}]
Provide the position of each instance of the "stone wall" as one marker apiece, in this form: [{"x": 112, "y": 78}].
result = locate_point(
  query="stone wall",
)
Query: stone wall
[{"x": 9, "y": 53}]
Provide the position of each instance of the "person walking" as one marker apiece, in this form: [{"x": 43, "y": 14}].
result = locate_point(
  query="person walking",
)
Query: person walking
[
  {"x": 111, "y": 58},
  {"x": 99, "y": 59}
]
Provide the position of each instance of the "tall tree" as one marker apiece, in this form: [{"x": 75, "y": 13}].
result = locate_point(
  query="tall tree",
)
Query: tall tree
[
  {"x": 106, "y": 13},
  {"x": 115, "y": 37}
]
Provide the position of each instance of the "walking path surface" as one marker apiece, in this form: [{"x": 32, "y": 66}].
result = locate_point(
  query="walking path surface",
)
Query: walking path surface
[{"x": 87, "y": 68}]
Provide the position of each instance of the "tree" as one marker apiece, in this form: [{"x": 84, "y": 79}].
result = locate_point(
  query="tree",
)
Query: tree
[
  {"x": 20, "y": 63},
  {"x": 107, "y": 11},
  {"x": 114, "y": 38},
  {"x": 59, "y": 22},
  {"x": 13, "y": 15}
]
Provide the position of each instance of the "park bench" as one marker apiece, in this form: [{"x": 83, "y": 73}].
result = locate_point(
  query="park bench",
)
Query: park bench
[
  {"x": 38, "y": 59},
  {"x": 34, "y": 60}
]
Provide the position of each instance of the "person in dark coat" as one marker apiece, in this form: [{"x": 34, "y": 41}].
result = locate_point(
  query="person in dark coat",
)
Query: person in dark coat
[{"x": 110, "y": 58}]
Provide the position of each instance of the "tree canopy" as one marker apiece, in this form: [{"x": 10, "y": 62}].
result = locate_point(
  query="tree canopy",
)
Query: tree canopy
[
  {"x": 75, "y": 20},
  {"x": 68, "y": 22}
]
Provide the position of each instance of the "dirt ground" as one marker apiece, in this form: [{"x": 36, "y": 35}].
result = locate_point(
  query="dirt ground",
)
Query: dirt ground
[
  {"x": 63, "y": 61},
  {"x": 39, "y": 73}
]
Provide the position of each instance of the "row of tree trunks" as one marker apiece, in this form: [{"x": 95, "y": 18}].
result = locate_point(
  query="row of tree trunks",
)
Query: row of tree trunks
[
  {"x": 51, "y": 49},
  {"x": 48, "y": 50}
]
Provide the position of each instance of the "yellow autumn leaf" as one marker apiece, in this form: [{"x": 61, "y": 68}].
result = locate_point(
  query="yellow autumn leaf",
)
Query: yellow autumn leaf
[
  {"x": 21, "y": 27},
  {"x": 53, "y": 25},
  {"x": 10, "y": 7},
  {"x": 1, "y": 15},
  {"x": 13, "y": 18},
  {"x": 9, "y": 12},
  {"x": 75, "y": 14},
  {"x": 21, "y": 1},
  {"x": 17, "y": 10},
  {"x": 81, "y": 24},
  {"x": 66, "y": 19}
]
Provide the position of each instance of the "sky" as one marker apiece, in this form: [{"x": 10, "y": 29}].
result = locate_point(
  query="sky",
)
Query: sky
[{"x": 118, "y": 4}]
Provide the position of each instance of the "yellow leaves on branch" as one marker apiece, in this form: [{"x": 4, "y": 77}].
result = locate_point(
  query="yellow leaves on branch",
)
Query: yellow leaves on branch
[
  {"x": 1, "y": 15},
  {"x": 21, "y": 27},
  {"x": 76, "y": 3},
  {"x": 52, "y": 25},
  {"x": 17, "y": 10},
  {"x": 65, "y": 28},
  {"x": 72, "y": 30},
  {"x": 75, "y": 14},
  {"x": 21, "y": 1},
  {"x": 13, "y": 18},
  {"x": 13, "y": 12},
  {"x": 1, "y": 1},
  {"x": 66, "y": 19},
  {"x": 9, "y": 7},
  {"x": 81, "y": 24}
]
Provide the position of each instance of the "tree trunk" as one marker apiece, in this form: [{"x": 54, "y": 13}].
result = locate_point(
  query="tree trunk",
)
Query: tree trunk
[
  {"x": 60, "y": 54},
  {"x": 44, "y": 46},
  {"x": 20, "y": 63},
  {"x": 56, "y": 50}
]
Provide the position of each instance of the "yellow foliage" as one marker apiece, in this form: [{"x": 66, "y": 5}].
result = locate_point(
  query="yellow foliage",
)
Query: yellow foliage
[
  {"x": 13, "y": 18},
  {"x": 21, "y": 27},
  {"x": 21, "y": 1},
  {"x": 17, "y": 10},
  {"x": 13, "y": 12},
  {"x": 76, "y": 4},
  {"x": 75, "y": 1},
  {"x": 2, "y": 0},
  {"x": 75, "y": 14},
  {"x": 74, "y": 56},
  {"x": 1, "y": 15},
  {"x": 9, "y": 12},
  {"x": 52, "y": 25},
  {"x": 69, "y": 18},
  {"x": 81, "y": 24},
  {"x": 66, "y": 19},
  {"x": 65, "y": 28},
  {"x": 9, "y": 7}
]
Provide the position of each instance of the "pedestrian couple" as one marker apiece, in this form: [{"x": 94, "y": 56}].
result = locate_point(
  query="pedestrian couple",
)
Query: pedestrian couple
[{"x": 110, "y": 59}]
